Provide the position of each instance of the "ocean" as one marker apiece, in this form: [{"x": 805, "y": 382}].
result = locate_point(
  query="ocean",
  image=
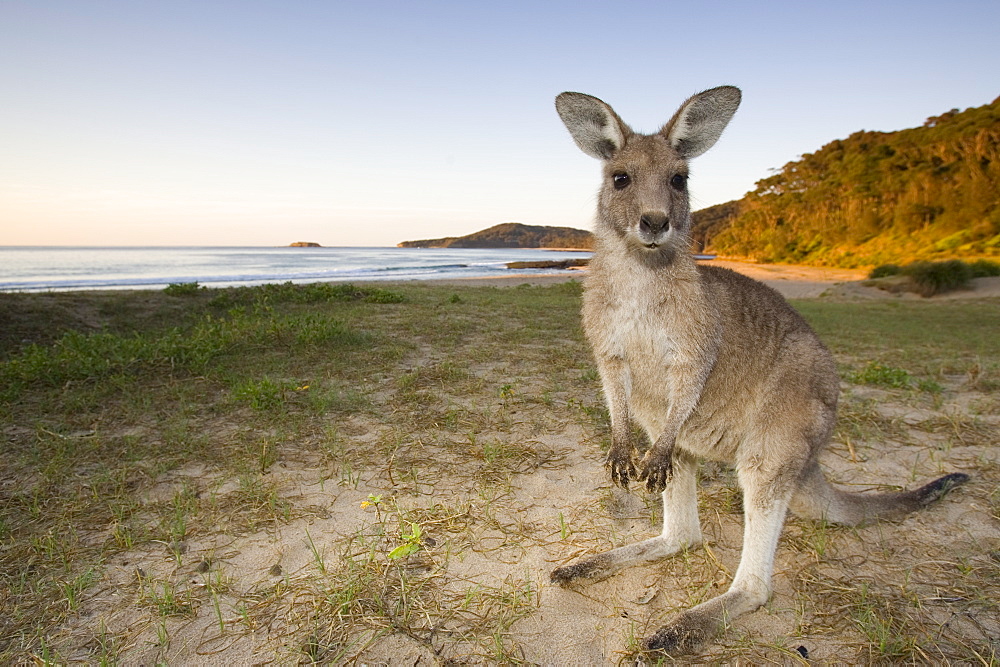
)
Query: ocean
[{"x": 36, "y": 269}]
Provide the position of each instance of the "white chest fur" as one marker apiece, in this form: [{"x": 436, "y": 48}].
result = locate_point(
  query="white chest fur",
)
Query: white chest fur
[{"x": 638, "y": 331}]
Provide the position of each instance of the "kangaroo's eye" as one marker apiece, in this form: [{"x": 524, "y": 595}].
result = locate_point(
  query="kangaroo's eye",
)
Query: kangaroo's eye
[
  {"x": 621, "y": 180},
  {"x": 678, "y": 181}
]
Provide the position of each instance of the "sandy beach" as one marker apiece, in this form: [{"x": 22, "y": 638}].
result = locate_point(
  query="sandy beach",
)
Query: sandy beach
[
  {"x": 792, "y": 281},
  {"x": 797, "y": 282}
]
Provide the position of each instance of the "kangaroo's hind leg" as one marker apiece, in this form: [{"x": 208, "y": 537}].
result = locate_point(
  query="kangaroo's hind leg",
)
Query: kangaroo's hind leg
[
  {"x": 681, "y": 530},
  {"x": 766, "y": 495}
]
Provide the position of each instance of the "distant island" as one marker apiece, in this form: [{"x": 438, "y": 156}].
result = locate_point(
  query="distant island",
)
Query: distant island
[
  {"x": 516, "y": 235},
  {"x": 513, "y": 235},
  {"x": 304, "y": 244}
]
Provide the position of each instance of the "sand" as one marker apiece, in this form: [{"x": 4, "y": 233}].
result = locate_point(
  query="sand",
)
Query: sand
[
  {"x": 818, "y": 573},
  {"x": 792, "y": 281}
]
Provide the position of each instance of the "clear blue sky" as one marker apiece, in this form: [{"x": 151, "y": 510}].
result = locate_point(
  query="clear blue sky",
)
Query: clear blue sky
[{"x": 368, "y": 123}]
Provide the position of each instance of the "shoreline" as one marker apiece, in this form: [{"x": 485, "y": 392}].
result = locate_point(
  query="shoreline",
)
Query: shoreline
[{"x": 791, "y": 280}]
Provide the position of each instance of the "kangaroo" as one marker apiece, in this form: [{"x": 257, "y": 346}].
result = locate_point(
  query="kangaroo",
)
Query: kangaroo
[{"x": 709, "y": 363}]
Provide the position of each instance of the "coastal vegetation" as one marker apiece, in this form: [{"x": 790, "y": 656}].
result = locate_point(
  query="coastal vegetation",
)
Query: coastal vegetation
[
  {"x": 336, "y": 473},
  {"x": 926, "y": 193},
  {"x": 931, "y": 278},
  {"x": 708, "y": 223}
]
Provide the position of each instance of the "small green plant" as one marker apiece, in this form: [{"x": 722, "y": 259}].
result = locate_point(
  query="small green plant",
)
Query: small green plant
[
  {"x": 877, "y": 374},
  {"x": 496, "y": 450},
  {"x": 880, "y": 375},
  {"x": 162, "y": 636},
  {"x": 218, "y": 611},
  {"x": 374, "y": 500},
  {"x": 818, "y": 537},
  {"x": 411, "y": 543},
  {"x": 123, "y": 535},
  {"x": 174, "y": 524},
  {"x": 107, "y": 645},
  {"x": 375, "y": 295},
  {"x": 882, "y": 625},
  {"x": 262, "y": 395},
  {"x": 930, "y": 386},
  {"x": 164, "y": 597},
  {"x": 73, "y": 589},
  {"x": 317, "y": 556}
]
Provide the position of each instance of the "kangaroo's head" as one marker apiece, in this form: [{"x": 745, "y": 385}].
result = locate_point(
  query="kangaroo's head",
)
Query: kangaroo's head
[{"x": 643, "y": 199}]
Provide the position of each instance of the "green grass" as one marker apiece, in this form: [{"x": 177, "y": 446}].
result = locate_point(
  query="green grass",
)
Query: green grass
[
  {"x": 138, "y": 424},
  {"x": 103, "y": 413},
  {"x": 879, "y": 375},
  {"x": 924, "y": 338}
]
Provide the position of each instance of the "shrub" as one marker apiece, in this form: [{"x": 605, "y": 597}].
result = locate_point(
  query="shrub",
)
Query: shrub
[
  {"x": 884, "y": 271},
  {"x": 932, "y": 278},
  {"x": 182, "y": 289},
  {"x": 984, "y": 268}
]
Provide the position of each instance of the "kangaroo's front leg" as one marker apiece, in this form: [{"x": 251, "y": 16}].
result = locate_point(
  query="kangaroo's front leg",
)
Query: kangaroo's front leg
[
  {"x": 685, "y": 380},
  {"x": 617, "y": 381},
  {"x": 681, "y": 530}
]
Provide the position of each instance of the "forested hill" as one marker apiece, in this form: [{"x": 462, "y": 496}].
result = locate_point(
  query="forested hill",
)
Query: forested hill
[
  {"x": 512, "y": 235},
  {"x": 875, "y": 197}
]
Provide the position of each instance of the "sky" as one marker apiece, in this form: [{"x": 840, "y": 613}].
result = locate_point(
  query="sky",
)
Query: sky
[{"x": 257, "y": 123}]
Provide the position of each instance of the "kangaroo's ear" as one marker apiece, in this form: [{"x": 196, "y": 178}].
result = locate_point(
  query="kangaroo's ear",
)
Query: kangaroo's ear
[
  {"x": 699, "y": 122},
  {"x": 595, "y": 126}
]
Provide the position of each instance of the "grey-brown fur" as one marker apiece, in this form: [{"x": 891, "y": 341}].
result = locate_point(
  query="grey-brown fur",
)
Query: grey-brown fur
[{"x": 709, "y": 363}]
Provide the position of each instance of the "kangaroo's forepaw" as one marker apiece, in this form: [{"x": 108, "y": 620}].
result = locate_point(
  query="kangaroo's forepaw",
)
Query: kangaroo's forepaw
[
  {"x": 686, "y": 634},
  {"x": 621, "y": 467},
  {"x": 657, "y": 469}
]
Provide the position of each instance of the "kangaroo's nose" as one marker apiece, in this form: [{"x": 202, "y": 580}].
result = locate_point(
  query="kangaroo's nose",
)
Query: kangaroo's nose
[{"x": 653, "y": 223}]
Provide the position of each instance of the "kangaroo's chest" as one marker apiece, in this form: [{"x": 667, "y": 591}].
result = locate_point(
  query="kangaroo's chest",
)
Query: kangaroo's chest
[{"x": 640, "y": 333}]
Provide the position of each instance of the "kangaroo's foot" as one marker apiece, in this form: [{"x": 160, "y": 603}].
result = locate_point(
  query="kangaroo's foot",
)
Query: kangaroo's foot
[
  {"x": 600, "y": 566},
  {"x": 684, "y": 635},
  {"x": 690, "y": 629}
]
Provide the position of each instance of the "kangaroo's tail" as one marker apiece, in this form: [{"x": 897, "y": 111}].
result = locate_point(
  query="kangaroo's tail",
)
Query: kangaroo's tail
[{"x": 818, "y": 499}]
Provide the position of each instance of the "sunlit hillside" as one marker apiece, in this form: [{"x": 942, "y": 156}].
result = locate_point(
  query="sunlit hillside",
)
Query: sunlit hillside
[{"x": 924, "y": 193}]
